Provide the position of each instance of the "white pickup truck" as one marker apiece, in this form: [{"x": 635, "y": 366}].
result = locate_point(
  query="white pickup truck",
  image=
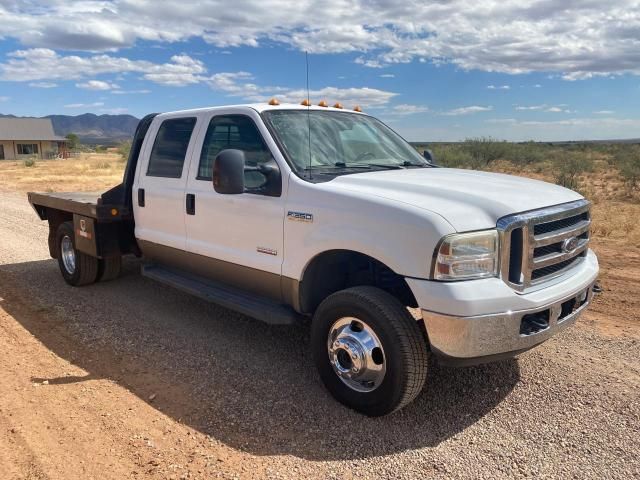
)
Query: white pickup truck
[{"x": 287, "y": 211}]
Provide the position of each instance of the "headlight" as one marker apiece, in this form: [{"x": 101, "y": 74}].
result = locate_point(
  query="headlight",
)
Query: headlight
[{"x": 464, "y": 256}]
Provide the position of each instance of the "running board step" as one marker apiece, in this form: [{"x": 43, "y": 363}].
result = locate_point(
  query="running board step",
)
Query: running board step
[{"x": 253, "y": 306}]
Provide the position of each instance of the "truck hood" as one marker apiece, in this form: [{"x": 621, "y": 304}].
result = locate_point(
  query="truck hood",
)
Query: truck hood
[{"x": 467, "y": 199}]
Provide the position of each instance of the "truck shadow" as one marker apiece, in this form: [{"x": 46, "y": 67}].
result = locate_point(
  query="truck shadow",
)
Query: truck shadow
[{"x": 246, "y": 384}]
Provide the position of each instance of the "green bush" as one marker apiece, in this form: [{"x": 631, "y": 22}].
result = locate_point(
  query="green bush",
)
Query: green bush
[
  {"x": 485, "y": 150},
  {"x": 29, "y": 162},
  {"x": 569, "y": 165},
  {"x": 527, "y": 153},
  {"x": 628, "y": 161},
  {"x": 124, "y": 148},
  {"x": 454, "y": 156}
]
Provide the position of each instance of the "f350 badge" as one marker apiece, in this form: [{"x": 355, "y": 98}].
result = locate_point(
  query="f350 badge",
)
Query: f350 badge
[{"x": 300, "y": 217}]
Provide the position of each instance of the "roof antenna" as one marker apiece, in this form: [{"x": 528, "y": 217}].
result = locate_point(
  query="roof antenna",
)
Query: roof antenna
[{"x": 306, "y": 58}]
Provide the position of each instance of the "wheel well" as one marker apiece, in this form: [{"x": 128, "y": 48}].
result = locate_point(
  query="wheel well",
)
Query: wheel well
[{"x": 336, "y": 270}]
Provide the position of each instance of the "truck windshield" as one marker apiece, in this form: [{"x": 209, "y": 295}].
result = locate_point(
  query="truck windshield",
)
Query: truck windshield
[{"x": 341, "y": 142}]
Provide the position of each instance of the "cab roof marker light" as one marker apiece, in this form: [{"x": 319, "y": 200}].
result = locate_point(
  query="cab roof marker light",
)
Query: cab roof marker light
[{"x": 274, "y": 101}]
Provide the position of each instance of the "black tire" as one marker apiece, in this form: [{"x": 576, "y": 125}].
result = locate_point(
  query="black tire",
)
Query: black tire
[
  {"x": 404, "y": 346},
  {"x": 109, "y": 268},
  {"x": 86, "y": 266}
]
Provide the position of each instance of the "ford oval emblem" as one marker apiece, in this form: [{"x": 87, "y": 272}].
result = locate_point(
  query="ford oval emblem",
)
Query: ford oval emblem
[{"x": 570, "y": 244}]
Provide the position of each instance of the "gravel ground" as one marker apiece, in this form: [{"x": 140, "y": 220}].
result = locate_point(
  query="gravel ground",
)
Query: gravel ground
[{"x": 134, "y": 379}]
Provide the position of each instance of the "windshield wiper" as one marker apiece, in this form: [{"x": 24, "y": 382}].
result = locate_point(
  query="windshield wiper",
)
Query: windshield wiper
[
  {"x": 406, "y": 163},
  {"x": 339, "y": 165},
  {"x": 351, "y": 165}
]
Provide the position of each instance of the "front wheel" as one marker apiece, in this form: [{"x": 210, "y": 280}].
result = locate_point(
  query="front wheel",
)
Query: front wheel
[
  {"x": 369, "y": 351},
  {"x": 77, "y": 268}
]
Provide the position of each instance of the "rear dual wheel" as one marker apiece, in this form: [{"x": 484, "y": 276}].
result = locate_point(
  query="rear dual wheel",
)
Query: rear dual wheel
[
  {"x": 370, "y": 352},
  {"x": 78, "y": 268}
]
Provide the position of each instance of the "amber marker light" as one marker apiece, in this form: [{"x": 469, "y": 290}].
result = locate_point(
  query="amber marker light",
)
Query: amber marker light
[
  {"x": 305, "y": 103},
  {"x": 274, "y": 101},
  {"x": 114, "y": 212},
  {"x": 322, "y": 103},
  {"x": 357, "y": 108},
  {"x": 338, "y": 105}
]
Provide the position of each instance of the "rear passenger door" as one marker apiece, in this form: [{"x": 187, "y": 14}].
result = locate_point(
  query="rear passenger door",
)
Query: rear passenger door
[{"x": 159, "y": 193}]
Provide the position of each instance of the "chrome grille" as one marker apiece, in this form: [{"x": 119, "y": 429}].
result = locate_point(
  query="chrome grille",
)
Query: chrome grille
[{"x": 542, "y": 244}]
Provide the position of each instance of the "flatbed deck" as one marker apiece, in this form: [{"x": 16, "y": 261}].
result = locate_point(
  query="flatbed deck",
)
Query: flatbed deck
[{"x": 88, "y": 204}]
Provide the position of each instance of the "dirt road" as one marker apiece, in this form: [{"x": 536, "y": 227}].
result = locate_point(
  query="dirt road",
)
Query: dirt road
[{"x": 130, "y": 379}]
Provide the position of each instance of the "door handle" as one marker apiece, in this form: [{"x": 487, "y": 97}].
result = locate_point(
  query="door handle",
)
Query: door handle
[
  {"x": 141, "y": 197},
  {"x": 191, "y": 204}
]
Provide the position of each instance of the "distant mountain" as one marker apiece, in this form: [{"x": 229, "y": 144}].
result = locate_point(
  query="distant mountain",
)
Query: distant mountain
[{"x": 94, "y": 129}]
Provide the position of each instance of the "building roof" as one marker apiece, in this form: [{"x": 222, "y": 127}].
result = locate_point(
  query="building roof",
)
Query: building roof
[{"x": 36, "y": 129}]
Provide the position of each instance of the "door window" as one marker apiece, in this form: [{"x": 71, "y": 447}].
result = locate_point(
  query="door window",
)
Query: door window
[
  {"x": 234, "y": 132},
  {"x": 170, "y": 148}
]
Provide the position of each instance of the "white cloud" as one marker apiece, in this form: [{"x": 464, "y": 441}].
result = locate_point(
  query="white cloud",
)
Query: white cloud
[
  {"x": 545, "y": 108},
  {"x": 498, "y": 87},
  {"x": 604, "y": 112},
  {"x": 5, "y": 99},
  {"x": 531, "y": 107},
  {"x": 537, "y": 85},
  {"x": 142, "y": 91},
  {"x": 182, "y": 70},
  {"x": 576, "y": 39},
  {"x": 406, "y": 109},
  {"x": 43, "y": 84},
  {"x": 84, "y": 105},
  {"x": 387, "y": 75},
  {"x": 468, "y": 110},
  {"x": 115, "y": 111},
  {"x": 97, "y": 85},
  {"x": 45, "y": 64}
]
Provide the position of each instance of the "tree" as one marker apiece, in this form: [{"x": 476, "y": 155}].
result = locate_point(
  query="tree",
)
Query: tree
[
  {"x": 124, "y": 148},
  {"x": 72, "y": 141}
]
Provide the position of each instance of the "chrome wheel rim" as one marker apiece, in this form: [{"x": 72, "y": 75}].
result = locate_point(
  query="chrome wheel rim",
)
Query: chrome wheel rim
[
  {"x": 356, "y": 354},
  {"x": 68, "y": 254}
]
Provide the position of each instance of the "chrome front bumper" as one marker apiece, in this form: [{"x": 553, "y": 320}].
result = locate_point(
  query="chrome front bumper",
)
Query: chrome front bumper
[{"x": 482, "y": 338}]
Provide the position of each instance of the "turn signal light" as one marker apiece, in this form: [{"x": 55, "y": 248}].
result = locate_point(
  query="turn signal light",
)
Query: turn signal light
[
  {"x": 274, "y": 101},
  {"x": 305, "y": 103},
  {"x": 322, "y": 103}
]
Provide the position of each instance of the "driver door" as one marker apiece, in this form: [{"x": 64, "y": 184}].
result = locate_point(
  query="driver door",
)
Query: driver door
[{"x": 239, "y": 238}]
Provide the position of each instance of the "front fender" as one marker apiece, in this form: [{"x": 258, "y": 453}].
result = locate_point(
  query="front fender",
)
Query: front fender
[{"x": 319, "y": 218}]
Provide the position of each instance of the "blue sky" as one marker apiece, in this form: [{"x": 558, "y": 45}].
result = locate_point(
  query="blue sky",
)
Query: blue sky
[{"x": 542, "y": 70}]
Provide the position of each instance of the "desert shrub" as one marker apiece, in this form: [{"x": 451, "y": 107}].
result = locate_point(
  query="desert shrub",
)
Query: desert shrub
[
  {"x": 29, "y": 162},
  {"x": 568, "y": 165},
  {"x": 628, "y": 162},
  {"x": 124, "y": 148},
  {"x": 102, "y": 165},
  {"x": 454, "y": 156},
  {"x": 527, "y": 153},
  {"x": 485, "y": 150}
]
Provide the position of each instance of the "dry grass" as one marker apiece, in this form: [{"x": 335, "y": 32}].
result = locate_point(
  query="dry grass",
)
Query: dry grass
[{"x": 91, "y": 172}]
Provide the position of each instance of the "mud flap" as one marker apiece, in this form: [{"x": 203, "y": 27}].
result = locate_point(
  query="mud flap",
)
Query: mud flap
[{"x": 85, "y": 233}]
